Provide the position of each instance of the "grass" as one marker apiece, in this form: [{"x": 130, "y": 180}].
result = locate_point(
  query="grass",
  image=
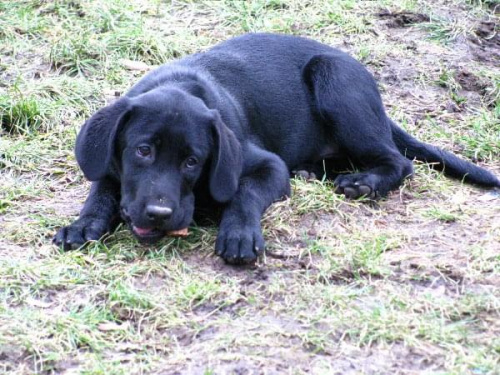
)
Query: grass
[
  {"x": 446, "y": 31},
  {"x": 406, "y": 285}
]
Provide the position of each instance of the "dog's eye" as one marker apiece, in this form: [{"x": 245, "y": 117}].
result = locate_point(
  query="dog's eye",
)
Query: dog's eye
[
  {"x": 191, "y": 162},
  {"x": 144, "y": 151}
]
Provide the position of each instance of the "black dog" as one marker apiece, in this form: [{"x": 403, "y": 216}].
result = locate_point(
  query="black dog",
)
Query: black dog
[{"x": 227, "y": 126}]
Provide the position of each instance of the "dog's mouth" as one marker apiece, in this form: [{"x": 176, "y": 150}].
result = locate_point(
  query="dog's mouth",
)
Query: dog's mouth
[
  {"x": 148, "y": 234},
  {"x": 145, "y": 232},
  {"x": 142, "y": 234},
  {"x": 154, "y": 234}
]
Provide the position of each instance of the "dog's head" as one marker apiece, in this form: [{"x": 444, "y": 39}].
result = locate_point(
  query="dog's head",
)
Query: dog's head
[{"x": 159, "y": 144}]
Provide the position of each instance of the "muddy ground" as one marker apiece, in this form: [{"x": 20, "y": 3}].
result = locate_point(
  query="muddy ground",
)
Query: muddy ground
[{"x": 406, "y": 285}]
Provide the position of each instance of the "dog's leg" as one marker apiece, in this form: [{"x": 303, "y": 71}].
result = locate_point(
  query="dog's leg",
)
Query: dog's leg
[
  {"x": 99, "y": 215},
  {"x": 265, "y": 179},
  {"x": 348, "y": 100}
]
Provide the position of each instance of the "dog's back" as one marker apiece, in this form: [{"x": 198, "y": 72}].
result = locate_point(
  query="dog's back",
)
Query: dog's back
[{"x": 264, "y": 73}]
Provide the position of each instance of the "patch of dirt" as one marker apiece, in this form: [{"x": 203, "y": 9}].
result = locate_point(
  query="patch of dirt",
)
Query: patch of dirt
[
  {"x": 29, "y": 66},
  {"x": 485, "y": 42},
  {"x": 69, "y": 366},
  {"x": 494, "y": 6},
  {"x": 487, "y": 32},
  {"x": 469, "y": 82},
  {"x": 396, "y": 359},
  {"x": 424, "y": 61},
  {"x": 14, "y": 359},
  {"x": 389, "y": 360},
  {"x": 402, "y": 19}
]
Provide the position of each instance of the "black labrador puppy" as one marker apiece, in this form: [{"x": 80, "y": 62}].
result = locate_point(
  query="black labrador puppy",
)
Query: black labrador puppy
[{"x": 227, "y": 126}]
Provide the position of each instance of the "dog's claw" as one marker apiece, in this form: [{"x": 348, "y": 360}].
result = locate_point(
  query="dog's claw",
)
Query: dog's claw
[
  {"x": 83, "y": 230},
  {"x": 306, "y": 175},
  {"x": 239, "y": 245}
]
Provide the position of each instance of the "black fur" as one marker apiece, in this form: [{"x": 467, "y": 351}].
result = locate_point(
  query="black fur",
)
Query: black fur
[{"x": 226, "y": 127}]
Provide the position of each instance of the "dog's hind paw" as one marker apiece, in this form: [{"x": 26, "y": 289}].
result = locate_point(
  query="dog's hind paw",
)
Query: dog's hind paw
[
  {"x": 357, "y": 185},
  {"x": 306, "y": 175}
]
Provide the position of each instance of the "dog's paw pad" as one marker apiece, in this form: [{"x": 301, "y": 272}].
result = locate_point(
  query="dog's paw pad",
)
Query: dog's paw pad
[
  {"x": 306, "y": 175},
  {"x": 365, "y": 190},
  {"x": 356, "y": 186}
]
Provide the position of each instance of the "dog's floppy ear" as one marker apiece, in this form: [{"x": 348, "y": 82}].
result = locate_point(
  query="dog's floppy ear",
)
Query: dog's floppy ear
[
  {"x": 95, "y": 143},
  {"x": 226, "y": 164}
]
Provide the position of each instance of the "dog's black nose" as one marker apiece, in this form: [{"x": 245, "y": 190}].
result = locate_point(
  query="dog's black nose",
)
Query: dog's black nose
[{"x": 154, "y": 212}]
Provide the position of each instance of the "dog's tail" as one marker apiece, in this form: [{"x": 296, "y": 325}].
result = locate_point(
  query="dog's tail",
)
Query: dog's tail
[{"x": 450, "y": 164}]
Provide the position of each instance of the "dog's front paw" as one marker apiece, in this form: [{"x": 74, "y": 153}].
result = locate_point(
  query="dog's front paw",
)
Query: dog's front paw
[
  {"x": 239, "y": 244},
  {"x": 78, "y": 233}
]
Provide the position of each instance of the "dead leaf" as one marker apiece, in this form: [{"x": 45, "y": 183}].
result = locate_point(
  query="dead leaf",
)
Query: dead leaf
[
  {"x": 134, "y": 65},
  {"x": 490, "y": 196},
  {"x": 112, "y": 326},
  {"x": 38, "y": 303}
]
